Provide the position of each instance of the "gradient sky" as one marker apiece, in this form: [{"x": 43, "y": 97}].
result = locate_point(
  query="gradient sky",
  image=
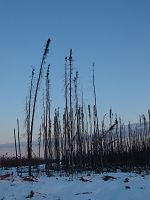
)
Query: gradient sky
[{"x": 115, "y": 34}]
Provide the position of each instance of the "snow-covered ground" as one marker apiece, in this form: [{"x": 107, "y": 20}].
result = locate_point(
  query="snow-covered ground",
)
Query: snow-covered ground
[{"x": 119, "y": 186}]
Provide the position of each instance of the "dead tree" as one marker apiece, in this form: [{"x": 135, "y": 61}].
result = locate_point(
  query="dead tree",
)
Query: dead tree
[
  {"x": 71, "y": 114},
  {"x": 57, "y": 139},
  {"x": 66, "y": 135},
  {"x": 16, "y": 149},
  {"x": 48, "y": 141},
  {"x": 35, "y": 100},
  {"x": 19, "y": 148}
]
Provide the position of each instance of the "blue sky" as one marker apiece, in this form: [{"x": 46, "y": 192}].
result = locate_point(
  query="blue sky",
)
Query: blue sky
[{"x": 115, "y": 34}]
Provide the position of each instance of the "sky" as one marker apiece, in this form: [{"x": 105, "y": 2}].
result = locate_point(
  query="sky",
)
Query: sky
[{"x": 114, "y": 34}]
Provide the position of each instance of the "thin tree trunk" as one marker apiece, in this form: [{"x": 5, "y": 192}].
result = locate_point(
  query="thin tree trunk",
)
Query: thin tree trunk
[
  {"x": 35, "y": 99},
  {"x": 16, "y": 150},
  {"x": 20, "y": 159}
]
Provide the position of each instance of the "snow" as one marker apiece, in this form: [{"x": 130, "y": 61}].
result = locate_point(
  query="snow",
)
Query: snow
[{"x": 93, "y": 187}]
